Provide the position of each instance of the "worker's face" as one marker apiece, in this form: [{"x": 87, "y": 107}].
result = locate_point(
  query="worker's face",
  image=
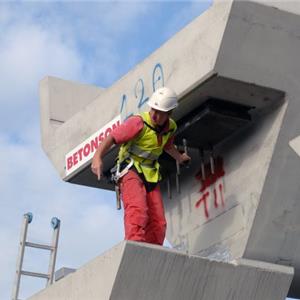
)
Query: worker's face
[{"x": 159, "y": 117}]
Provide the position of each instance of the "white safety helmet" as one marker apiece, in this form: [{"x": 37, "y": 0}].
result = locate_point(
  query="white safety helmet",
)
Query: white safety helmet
[{"x": 163, "y": 99}]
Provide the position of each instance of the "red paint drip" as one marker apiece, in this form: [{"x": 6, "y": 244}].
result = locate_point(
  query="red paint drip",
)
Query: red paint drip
[
  {"x": 204, "y": 200},
  {"x": 210, "y": 178},
  {"x": 215, "y": 198},
  {"x": 221, "y": 193}
]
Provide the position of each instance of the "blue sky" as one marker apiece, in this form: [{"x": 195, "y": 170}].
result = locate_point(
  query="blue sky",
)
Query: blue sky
[
  {"x": 94, "y": 43},
  {"x": 91, "y": 42}
]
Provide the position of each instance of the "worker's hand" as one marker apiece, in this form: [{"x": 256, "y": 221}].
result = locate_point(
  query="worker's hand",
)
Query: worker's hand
[
  {"x": 97, "y": 166},
  {"x": 184, "y": 158}
]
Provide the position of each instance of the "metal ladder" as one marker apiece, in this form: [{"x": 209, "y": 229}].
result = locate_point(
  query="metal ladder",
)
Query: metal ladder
[{"x": 55, "y": 223}]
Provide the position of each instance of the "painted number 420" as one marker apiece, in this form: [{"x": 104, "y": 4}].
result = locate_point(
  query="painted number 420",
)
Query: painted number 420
[{"x": 139, "y": 92}]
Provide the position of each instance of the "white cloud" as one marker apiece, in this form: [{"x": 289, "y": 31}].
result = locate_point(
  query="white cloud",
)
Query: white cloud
[
  {"x": 108, "y": 28},
  {"x": 27, "y": 54},
  {"x": 73, "y": 41}
]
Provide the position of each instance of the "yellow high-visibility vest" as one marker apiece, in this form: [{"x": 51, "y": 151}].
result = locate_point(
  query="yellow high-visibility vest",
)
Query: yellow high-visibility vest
[{"x": 145, "y": 150}]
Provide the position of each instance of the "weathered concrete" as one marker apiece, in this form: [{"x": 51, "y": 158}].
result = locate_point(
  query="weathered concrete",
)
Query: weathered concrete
[
  {"x": 266, "y": 44},
  {"x": 145, "y": 272},
  {"x": 292, "y": 6},
  {"x": 244, "y": 52},
  {"x": 92, "y": 281},
  {"x": 62, "y": 99},
  {"x": 295, "y": 144},
  {"x": 63, "y": 272}
]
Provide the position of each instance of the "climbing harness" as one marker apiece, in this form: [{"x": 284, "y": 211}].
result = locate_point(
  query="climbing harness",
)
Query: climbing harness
[{"x": 117, "y": 173}]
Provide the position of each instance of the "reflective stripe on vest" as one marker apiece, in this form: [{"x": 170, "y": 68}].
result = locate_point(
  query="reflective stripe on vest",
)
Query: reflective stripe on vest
[
  {"x": 136, "y": 150},
  {"x": 145, "y": 150}
]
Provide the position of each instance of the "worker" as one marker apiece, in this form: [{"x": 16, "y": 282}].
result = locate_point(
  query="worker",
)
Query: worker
[{"x": 143, "y": 138}]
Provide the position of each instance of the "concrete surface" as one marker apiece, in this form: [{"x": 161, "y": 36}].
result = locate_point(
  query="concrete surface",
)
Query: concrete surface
[
  {"x": 62, "y": 99},
  {"x": 295, "y": 144},
  {"x": 244, "y": 52},
  {"x": 63, "y": 272},
  {"x": 140, "y": 271}
]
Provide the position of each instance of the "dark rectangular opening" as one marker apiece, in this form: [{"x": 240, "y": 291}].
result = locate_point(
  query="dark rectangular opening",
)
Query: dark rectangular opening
[{"x": 208, "y": 125}]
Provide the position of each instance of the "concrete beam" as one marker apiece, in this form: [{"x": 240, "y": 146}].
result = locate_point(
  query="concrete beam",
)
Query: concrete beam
[
  {"x": 60, "y": 101},
  {"x": 146, "y": 272}
]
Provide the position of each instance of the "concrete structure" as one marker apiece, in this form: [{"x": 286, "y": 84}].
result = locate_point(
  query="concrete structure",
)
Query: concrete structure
[
  {"x": 145, "y": 272},
  {"x": 63, "y": 272},
  {"x": 237, "y": 72}
]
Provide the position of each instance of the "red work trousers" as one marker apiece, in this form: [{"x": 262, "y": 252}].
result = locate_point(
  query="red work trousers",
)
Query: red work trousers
[{"x": 144, "y": 216}]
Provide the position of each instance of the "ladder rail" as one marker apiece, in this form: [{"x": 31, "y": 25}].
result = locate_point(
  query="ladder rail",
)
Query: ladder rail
[
  {"x": 16, "y": 287},
  {"x": 55, "y": 222},
  {"x": 56, "y": 226}
]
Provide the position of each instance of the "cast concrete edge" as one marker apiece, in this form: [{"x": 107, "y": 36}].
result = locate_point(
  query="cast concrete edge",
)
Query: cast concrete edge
[
  {"x": 62, "y": 99},
  {"x": 142, "y": 271},
  {"x": 99, "y": 273}
]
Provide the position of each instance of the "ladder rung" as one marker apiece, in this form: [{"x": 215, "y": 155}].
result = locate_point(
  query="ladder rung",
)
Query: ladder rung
[
  {"x": 33, "y": 274},
  {"x": 40, "y": 246}
]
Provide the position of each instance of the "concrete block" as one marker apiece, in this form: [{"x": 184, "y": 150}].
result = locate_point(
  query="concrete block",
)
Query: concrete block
[
  {"x": 94, "y": 280},
  {"x": 141, "y": 271}
]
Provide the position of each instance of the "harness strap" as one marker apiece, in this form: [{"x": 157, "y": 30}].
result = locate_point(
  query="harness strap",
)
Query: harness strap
[
  {"x": 157, "y": 130},
  {"x": 117, "y": 174}
]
